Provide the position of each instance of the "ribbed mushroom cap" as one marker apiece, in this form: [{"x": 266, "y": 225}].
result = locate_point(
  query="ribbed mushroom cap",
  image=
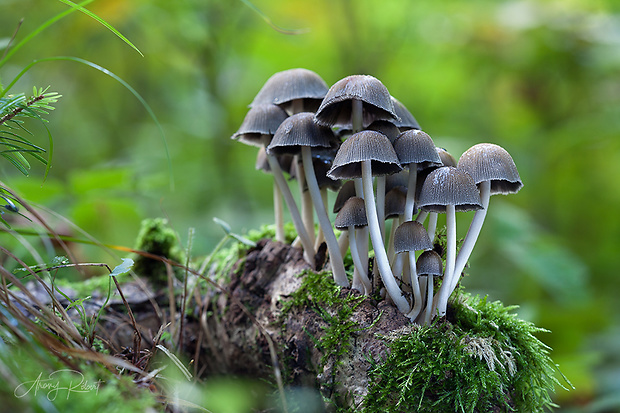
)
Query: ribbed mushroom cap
[
  {"x": 346, "y": 191},
  {"x": 411, "y": 236},
  {"x": 260, "y": 120},
  {"x": 490, "y": 162},
  {"x": 395, "y": 200},
  {"x": 353, "y": 213},
  {"x": 262, "y": 164},
  {"x": 416, "y": 146},
  {"x": 385, "y": 127},
  {"x": 399, "y": 179},
  {"x": 284, "y": 87},
  {"x": 429, "y": 263},
  {"x": 449, "y": 186},
  {"x": 300, "y": 130},
  {"x": 446, "y": 157},
  {"x": 322, "y": 162},
  {"x": 363, "y": 146},
  {"x": 407, "y": 121},
  {"x": 336, "y": 107}
]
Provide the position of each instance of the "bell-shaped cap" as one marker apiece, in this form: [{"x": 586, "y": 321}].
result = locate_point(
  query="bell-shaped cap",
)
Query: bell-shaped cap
[
  {"x": 300, "y": 130},
  {"x": 347, "y": 190},
  {"x": 385, "y": 127},
  {"x": 415, "y": 146},
  {"x": 399, "y": 179},
  {"x": 262, "y": 164},
  {"x": 260, "y": 120},
  {"x": 446, "y": 157},
  {"x": 395, "y": 200},
  {"x": 411, "y": 236},
  {"x": 364, "y": 146},
  {"x": 407, "y": 121},
  {"x": 490, "y": 162},
  {"x": 449, "y": 186},
  {"x": 429, "y": 264},
  {"x": 353, "y": 213},
  {"x": 284, "y": 87},
  {"x": 336, "y": 107}
]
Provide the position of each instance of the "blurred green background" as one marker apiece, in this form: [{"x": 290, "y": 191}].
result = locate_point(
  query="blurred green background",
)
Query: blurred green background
[{"x": 540, "y": 78}]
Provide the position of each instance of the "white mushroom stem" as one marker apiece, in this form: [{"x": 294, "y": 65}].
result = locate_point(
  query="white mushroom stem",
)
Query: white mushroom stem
[
  {"x": 340, "y": 276},
  {"x": 421, "y": 217},
  {"x": 362, "y": 272},
  {"x": 278, "y": 210},
  {"x": 432, "y": 225},
  {"x": 377, "y": 242},
  {"x": 429, "y": 299},
  {"x": 410, "y": 200},
  {"x": 343, "y": 242},
  {"x": 444, "y": 292},
  {"x": 307, "y": 212},
  {"x": 390, "y": 251},
  {"x": 381, "y": 205},
  {"x": 292, "y": 207},
  {"x": 415, "y": 286},
  {"x": 472, "y": 233}
]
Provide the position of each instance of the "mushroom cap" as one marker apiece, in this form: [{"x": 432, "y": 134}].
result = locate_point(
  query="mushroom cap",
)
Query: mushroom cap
[
  {"x": 260, "y": 120},
  {"x": 353, "y": 213},
  {"x": 262, "y": 164},
  {"x": 429, "y": 263},
  {"x": 411, "y": 236},
  {"x": 346, "y": 191},
  {"x": 399, "y": 179},
  {"x": 490, "y": 162},
  {"x": 446, "y": 157},
  {"x": 416, "y": 146},
  {"x": 364, "y": 146},
  {"x": 336, "y": 107},
  {"x": 300, "y": 130},
  {"x": 407, "y": 121},
  {"x": 395, "y": 200},
  {"x": 449, "y": 186},
  {"x": 284, "y": 87},
  {"x": 385, "y": 127}
]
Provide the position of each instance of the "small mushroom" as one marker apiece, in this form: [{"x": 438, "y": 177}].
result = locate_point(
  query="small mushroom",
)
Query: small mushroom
[
  {"x": 446, "y": 190},
  {"x": 429, "y": 264},
  {"x": 349, "y": 218},
  {"x": 407, "y": 121},
  {"x": 299, "y": 134},
  {"x": 410, "y": 237},
  {"x": 494, "y": 171}
]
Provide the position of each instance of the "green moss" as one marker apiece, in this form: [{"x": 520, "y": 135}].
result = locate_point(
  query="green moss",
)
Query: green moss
[{"x": 485, "y": 360}]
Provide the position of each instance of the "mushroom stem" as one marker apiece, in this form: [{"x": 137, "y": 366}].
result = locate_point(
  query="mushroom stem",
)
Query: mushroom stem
[
  {"x": 381, "y": 205},
  {"x": 432, "y": 225},
  {"x": 307, "y": 212},
  {"x": 429, "y": 300},
  {"x": 292, "y": 207},
  {"x": 377, "y": 242},
  {"x": 278, "y": 213},
  {"x": 445, "y": 290},
  {"x": 410, "y": 200},
  {"x": 340, "y": 277},
  {"x": 422, "y": 217},
  {"x": 415, "y": 286},
  {"x": 472, "y": 234},
  {"x": 357, "y": 261}
]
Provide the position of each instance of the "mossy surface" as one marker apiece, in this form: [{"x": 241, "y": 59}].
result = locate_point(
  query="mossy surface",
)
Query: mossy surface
[{"x": 483, "y": 359}]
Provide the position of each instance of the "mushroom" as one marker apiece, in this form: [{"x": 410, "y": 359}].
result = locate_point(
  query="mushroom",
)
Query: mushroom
[
  {"x": 429, "y": 264},
  {"x": 446, "y": 190},
  {"x": 494, "y": 171},
  {"x": 259, "y": 124},
  {"x": 299, "y": 134},
  {"x": 410, "y": 237},
  {"x": 407, "y": 121},
  {"x": 349, "y": 218},
  {"x": 394, "y": 209},
  {"x": 416, "y": 150},
  {"x": 363, "y": 154}
]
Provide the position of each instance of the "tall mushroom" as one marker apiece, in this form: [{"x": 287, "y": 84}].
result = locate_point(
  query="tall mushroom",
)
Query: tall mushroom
[
  {"x": 446, "y": 190},
  {"x": 494, "y": 171},
  {"x": 352, "y": 216},
  {"x": 299, "y": 134},
  {"x": 363, "y": 154}
]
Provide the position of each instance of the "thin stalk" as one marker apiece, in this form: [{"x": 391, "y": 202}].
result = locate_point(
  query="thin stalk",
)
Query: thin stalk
[
  {"x": 357, "y": 261},
  {"x": 278, "y": 210},
  {"x": 432, "y": 225},
  {"x": 410, "y": 200},
  {"x": 377, "y": 242},
  {"x": 429, "y": 300},
  {"x": 415, "y": 286},
  {"x": 446, "y": 286}
]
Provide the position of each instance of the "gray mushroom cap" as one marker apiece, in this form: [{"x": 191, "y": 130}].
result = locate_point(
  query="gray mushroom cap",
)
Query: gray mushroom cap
[
  {"x": 347, "y": 190},
  {"x": 411, "y": 236},
  {"x": 262, "y": 164},
  {"x": 490, "y": 162},
  {"x": 446, "y": 157},
  {"x": 336, "y": 107},
  {"x": 429, "y": 263},
  {"x": 395, "y": 200},
  {"x": 300, "y": 130},
  {"x": 284, "y": 87},
  {"x": 364, "y": 146},
  {"x": 353, "y": 213},
  {"x": 385, "y": 127},
  {"x": 416, "y": 146},
  {"x": 449, "y": 186},
  {"x": 407, "y": 121},
  {"x": 260, "y": 120}
]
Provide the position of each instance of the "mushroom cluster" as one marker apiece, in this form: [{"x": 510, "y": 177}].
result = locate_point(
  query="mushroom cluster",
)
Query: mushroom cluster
[{"x": 355, "y": 138}]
